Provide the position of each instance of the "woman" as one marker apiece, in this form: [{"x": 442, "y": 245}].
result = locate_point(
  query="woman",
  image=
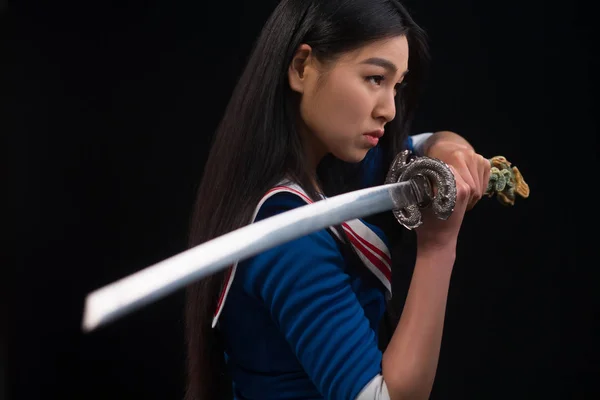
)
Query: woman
[{"x": 323, "y": 106}]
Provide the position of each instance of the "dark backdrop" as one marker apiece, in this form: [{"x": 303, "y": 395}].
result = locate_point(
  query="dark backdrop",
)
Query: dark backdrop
[{"x": 111, "y": 110}]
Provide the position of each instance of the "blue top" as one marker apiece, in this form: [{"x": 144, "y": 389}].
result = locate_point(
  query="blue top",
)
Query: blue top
[{"x": 300, "y": 320}]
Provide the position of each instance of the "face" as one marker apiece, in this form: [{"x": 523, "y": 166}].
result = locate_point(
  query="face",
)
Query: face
[{"x": 345, "y": 104}]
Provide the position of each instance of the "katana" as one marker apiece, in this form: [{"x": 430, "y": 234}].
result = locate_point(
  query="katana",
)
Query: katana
[{"x": 409, "y": 187}]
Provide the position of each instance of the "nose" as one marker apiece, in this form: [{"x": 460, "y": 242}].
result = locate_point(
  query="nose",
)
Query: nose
[{"x": 385, "y": 109}]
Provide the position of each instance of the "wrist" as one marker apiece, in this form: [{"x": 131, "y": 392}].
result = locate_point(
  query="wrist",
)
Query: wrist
[{"x": 437, "y": 249}]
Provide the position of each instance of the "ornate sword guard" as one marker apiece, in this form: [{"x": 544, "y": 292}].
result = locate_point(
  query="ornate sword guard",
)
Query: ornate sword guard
[{"x": 430, "y": 176}]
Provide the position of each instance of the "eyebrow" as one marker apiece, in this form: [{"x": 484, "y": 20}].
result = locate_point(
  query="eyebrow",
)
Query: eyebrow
[{"x": 382, "y": 62}]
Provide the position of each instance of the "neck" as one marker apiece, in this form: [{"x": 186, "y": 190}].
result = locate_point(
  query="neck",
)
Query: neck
[{"x": 314, "y": 151}]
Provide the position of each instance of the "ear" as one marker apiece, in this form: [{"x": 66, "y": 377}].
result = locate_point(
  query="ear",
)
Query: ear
[{"x": 297, "y": 69}]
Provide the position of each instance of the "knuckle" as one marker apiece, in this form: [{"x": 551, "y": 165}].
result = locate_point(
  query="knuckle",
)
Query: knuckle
[
  {"x": 463, "y": 190},
  {"x": 459, "y": 155}
]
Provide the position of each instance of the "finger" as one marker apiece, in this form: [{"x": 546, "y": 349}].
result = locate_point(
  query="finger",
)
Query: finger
[
  {"x": 474, "y": 181},
  {"x": 468, "y": 172},
  {"x": 483, "y": 167},
  {"x": 462, "y": 187},
  {"x": 483, "y": 176},
  {"x": 487, "y": 171}
]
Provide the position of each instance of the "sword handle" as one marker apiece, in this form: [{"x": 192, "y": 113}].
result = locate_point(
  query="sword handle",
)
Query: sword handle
[
  {"x": 434, "y": 182},
  {"x": 506, "y": 181}
]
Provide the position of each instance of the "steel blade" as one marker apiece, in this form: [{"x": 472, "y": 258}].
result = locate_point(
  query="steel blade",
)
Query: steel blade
[{"x": 156, "y": 281}]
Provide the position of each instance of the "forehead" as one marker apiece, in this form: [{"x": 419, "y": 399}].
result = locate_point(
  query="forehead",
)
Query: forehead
[{"x": 394, "y": 49}]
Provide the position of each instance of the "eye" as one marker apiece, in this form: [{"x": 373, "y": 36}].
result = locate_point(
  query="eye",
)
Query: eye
[{"x": 376, "y": 79}]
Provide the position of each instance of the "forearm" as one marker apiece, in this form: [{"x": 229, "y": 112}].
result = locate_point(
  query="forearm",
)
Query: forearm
[
  {"x": 411, "y": 358},
  {"x": 441, "y": 137}
]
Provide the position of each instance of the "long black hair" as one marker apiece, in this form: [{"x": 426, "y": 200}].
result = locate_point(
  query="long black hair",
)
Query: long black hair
[{"x": 257, "y": 144}]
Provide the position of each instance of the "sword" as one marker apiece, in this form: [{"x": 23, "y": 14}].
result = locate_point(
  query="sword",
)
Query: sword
[{"x": 408, "y": 188}]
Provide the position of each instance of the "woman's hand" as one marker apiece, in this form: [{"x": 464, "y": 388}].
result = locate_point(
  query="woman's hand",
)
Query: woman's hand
[
  {"x": 472, "y": 173},
  {"x": 455, "y": 151}
]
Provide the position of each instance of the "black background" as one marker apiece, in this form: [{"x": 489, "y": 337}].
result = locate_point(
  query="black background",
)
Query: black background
[{"x": 108, "y": 123}]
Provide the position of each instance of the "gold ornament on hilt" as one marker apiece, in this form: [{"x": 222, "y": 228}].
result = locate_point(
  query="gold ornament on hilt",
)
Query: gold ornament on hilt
[{"x": 506, "y": 182}]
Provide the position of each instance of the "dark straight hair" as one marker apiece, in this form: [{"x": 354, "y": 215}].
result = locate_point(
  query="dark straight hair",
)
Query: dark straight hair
[{"x": 257, "y": 144}]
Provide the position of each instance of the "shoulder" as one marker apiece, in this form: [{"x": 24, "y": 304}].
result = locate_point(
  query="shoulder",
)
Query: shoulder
[
  {"x": 293, "y": 260},
  {"x": 277, "y": 201}
]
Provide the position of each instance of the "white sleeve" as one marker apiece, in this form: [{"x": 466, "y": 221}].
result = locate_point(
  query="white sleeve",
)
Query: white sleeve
[
  {"x": 418, "y": 142},
  {"x": 374, "y": 390}
]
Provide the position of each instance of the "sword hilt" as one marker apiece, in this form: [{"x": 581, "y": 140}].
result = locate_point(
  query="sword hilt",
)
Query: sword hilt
[
  {"x": 506, "y": 181},
  {"x": 434, "y": 184}
]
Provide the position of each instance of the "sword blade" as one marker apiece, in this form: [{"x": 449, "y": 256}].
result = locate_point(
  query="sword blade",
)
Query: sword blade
[{"x": 156, "y": 281}]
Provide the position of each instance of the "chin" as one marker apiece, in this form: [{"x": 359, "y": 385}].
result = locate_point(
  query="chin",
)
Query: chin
[{"x": 352, "y": 157}]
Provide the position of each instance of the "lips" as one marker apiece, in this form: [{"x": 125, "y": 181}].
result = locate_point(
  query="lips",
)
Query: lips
[
  {"x": 376, "y": 134},
  {"x": 372, "y": 138}
]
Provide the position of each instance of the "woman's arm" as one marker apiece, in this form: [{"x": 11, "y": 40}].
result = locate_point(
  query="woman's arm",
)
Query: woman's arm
[
  {"x": 410, "y": 361},
  {"x": 427, "y": 140}
]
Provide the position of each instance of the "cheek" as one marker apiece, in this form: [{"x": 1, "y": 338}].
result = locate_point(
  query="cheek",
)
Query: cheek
[
  {"x": 351, "y": 103},
  {"x": 341, "y": 108}
]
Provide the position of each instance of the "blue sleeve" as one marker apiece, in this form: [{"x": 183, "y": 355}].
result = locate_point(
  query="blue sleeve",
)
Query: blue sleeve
[
  {"x": 410, "y": 144},
  {"x": 308, "y": 292}
]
